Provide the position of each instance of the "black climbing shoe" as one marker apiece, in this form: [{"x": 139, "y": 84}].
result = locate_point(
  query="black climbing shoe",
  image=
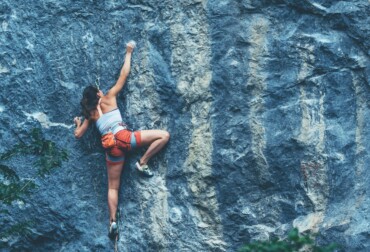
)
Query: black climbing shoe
[{"x": 113, "y": 230}]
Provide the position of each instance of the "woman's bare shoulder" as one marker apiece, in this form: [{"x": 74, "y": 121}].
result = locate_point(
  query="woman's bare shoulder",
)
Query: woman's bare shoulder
[{"x": 108, "y": 103}]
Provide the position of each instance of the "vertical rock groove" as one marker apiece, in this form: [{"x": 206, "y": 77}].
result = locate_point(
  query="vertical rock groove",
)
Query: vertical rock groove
[
  {"x": 312, "y": 136},
  {"x": 258, "y": 32},
  {"x": 191, "y": 63},
  {"x": 360, "y": 125}
]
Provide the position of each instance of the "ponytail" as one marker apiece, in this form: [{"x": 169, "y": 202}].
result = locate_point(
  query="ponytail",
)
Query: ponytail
[{"x": 89, "y": 101}]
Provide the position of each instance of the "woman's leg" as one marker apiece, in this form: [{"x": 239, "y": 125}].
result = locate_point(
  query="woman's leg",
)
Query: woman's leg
[
  {"x": 156, "y": 139},
  {"x": 114, "y": 175}
]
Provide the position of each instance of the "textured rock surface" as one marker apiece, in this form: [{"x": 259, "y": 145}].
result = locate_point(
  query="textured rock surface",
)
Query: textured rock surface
[{"x": 267, "y": 103}]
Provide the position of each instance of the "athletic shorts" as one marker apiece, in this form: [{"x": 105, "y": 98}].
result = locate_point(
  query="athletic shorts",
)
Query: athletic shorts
[{"x": 126, "y": 141}]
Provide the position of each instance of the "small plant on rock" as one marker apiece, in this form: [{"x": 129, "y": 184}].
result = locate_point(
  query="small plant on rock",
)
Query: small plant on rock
[
  {"x": 13, "y": 188},
  {"x": 293, "y": 243}
]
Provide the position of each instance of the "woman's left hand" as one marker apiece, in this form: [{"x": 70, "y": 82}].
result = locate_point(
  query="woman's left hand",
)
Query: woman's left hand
[{"x": 77, "y": 121}]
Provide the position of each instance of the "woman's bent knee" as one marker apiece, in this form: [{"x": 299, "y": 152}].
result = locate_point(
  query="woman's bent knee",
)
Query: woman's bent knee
[{"x": 166, "y": 135}]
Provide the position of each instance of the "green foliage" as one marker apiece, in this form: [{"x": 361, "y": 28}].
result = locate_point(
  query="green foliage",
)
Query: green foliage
[
  {"x": 15, "y": 190},
  {"x": 4, "y": 211},
  {"x": 12, "y": 187},
  {"x": 8, "y": 173},
  {"x": 22, "y": 228},
  {"x": 294, "y": 242},
  {"x": 48, "y": 157}
]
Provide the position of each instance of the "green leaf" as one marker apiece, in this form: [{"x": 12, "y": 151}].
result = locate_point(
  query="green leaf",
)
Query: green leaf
[
  {"x": 294, "y": 242},
  {"x": 49, "y": 157},
  {"x": 15, "y": 190},
  {"x": 19, "y": 229},
  {"x": 8, "y": 173}
]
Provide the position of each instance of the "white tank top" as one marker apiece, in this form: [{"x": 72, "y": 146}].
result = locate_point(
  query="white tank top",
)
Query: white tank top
[{"x": 110, "y": 122}]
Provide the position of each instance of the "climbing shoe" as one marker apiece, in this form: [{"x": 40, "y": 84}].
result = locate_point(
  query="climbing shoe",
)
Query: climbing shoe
[
  {"x": 144, "y": 169},
  {"x": 113, "y": 230}
]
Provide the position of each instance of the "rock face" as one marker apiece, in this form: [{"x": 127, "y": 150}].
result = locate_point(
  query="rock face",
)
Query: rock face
[{"x": 267, "y": 103}]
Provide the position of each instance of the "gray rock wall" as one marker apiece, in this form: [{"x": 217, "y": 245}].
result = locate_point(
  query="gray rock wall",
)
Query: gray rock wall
[{"x": 267, "y": 103}]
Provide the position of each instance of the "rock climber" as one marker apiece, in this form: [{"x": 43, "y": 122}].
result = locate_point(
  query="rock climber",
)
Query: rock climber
[{"x": 117, "y": 139}]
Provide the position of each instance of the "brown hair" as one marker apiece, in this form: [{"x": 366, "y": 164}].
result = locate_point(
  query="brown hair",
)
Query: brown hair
[{"x": 89, "y": 101}]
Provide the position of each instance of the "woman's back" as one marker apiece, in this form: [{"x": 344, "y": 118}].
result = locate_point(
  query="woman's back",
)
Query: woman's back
[{"x": 110, "y": 122}]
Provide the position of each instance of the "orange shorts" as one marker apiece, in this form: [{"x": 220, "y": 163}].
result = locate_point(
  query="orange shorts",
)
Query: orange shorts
[{"x": 126, "y": 141}]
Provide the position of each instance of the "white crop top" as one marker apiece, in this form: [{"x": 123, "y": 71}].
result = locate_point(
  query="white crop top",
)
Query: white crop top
[{"x": 110, "y": 122}]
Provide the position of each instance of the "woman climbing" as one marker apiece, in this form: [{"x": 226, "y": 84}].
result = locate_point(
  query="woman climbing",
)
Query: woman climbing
[{"x": 117, "y": 140}]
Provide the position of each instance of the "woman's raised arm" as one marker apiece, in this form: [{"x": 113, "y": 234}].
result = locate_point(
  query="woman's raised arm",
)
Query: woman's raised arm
[{"x": 124, "y": 71}]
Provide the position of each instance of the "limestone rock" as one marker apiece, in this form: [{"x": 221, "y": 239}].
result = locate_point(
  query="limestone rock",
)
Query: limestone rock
[{"x": 267, "y": 103}]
